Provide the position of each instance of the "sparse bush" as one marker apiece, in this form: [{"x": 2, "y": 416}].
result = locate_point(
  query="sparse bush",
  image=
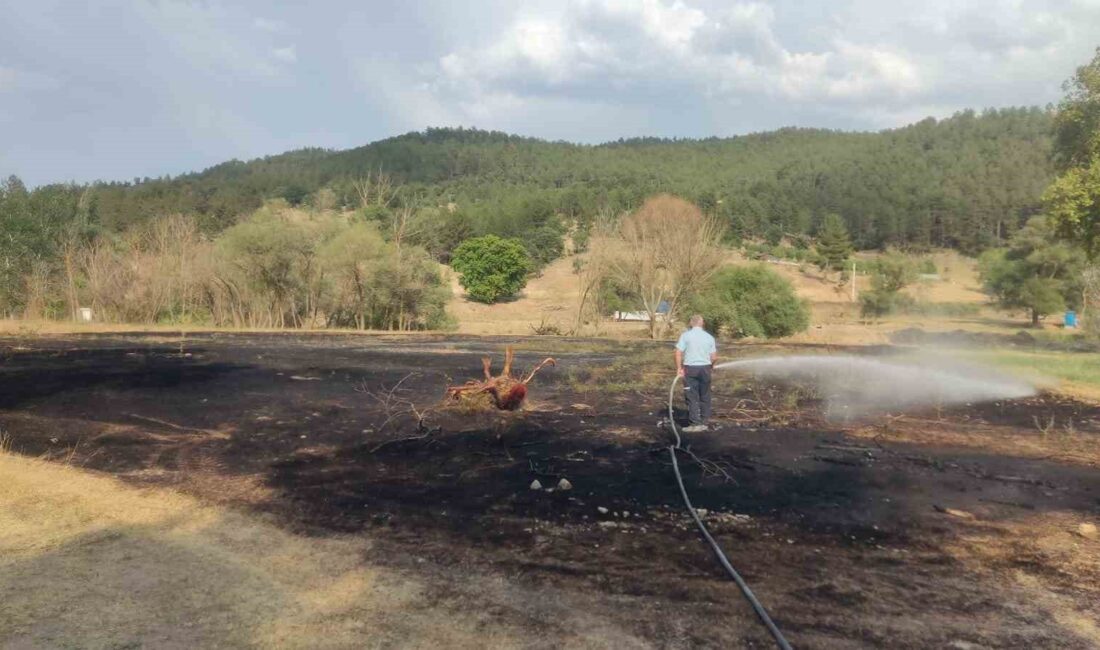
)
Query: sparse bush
[
  {"x": 491, "y": 268},
  {"x": 741, "y": 301}
]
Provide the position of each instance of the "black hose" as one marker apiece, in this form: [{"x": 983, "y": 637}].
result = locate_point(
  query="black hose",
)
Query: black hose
[{"x": 751, "y": 597}]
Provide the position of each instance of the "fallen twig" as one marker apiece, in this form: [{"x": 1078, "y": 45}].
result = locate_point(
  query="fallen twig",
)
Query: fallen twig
[
  {"x": 165, "y": 423},
  {"x": 428, "y": 433},
  {"x": 710, "y": 467}
]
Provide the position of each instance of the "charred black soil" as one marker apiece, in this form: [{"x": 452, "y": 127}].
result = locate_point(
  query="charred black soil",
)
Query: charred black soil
[{"x": 911, "y": 531}]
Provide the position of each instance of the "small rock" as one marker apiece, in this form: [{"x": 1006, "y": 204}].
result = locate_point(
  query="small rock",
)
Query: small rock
[
  {"x": 54, "y": 440},
  {"x": 581, "y": 407},
  {"x": 607, "y": 524},
  {"x": 564, "y": 484},
  {"x": 535, "y": 485},
  {"x": 1088, "y": 531},
  {"x": 602, "y": 510},
  {"x": 702, "y": 512}
]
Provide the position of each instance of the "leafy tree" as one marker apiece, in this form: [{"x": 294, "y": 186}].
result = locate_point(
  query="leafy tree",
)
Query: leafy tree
[
  {"x": 833, "y": 244},
  {"x": 271, "y": 254},
  {"x": 741, "y": 301},
  {"x": 1077, "y": 122},
  {"x": 295, "y": 194},
  {"x": 890, "y": 274},
  {"x": 1034, "y": 273},
  {"x": 1073, "y": 199},
  {"x": 544, "y": 244},
  {"x": 491, "y": 268}
]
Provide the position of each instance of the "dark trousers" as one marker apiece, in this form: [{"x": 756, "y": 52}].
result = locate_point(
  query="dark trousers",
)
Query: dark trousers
[{"x": 697, "y": 393}]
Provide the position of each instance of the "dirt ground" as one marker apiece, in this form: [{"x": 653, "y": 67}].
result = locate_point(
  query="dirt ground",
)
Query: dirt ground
[{"x": 955, "y": 528}]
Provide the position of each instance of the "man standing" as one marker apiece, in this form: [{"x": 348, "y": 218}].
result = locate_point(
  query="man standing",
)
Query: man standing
[{"x": 695, "y": 355}]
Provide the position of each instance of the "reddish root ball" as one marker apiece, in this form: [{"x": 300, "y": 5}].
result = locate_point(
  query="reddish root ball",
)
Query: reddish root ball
[{"x": 507, "y": 393}]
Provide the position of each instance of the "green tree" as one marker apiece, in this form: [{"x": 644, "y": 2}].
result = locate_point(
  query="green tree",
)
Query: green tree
[
  {"x": 833, "y": 244},
  {"x": 491, "y": 268},
  {"x": 1035, "y": 273},
  {"x": 741, "y": 301},
  {"x": 1077, "y": 122},
  {"x": 1073, "y": 199},
  {"x": 890, "y": 273}
]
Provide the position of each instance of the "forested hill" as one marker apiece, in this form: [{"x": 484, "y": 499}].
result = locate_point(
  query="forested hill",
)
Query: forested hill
[{"x": 960, "y": 182}]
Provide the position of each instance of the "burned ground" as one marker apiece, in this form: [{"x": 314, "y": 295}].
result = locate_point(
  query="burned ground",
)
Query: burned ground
[{"x": 916, "y": 530}]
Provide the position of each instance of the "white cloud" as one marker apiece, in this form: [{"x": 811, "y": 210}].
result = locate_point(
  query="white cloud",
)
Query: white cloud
[
  {"x": 868, "y": 59},
  {"x": 17, "y": 80},
  {"x": 285, "y": 54},
  {"x": 269, "y": 25},
  {"x": 215, "y": 37}
]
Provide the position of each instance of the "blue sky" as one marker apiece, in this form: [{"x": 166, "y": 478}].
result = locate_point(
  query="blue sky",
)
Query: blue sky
[{"x": 132, "y": 88}]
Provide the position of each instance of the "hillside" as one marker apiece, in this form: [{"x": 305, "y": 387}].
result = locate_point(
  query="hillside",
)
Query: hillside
[
  {"x": 965, "y": 183},
  {"x": 960, "y": 182}
]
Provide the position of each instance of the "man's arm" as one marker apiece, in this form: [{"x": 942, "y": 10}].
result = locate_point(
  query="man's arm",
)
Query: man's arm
[{"x": 679, "y": 362}]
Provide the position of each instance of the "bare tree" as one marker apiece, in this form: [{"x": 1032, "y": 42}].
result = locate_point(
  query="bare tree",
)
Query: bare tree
[
  {"x": 667, "y": 248},
  {"x": 1090, "y": 299},
  {"x": 595, "y": 267},
  {"x": 375, "y": 189}
]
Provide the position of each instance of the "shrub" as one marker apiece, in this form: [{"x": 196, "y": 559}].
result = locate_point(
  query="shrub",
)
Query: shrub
[
  {"x": 890, "y": 274},
  {"x": 877, "y": 303},
  {"x": 741, "y": 301},
  {"x": 544, "y": 244},
  {"x": 491, "y": 268}
]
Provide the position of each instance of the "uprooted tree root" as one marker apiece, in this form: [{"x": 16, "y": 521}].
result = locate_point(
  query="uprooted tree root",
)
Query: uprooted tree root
[{"x": 503, "y": 392}]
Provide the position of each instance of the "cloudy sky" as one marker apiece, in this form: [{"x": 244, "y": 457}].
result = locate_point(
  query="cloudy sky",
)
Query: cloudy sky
[{"x": 115, "y": 89}]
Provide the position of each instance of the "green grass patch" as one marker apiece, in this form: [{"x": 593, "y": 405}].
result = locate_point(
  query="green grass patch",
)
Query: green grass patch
[{"x": 1081, "y": 368}]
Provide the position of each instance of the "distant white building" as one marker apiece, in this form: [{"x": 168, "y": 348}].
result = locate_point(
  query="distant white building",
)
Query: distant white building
[{"x": 641, "y": 316}]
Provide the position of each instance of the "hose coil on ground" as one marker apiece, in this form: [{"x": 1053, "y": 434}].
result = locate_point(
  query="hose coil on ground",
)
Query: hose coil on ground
[{"x": 761, "y": 613}]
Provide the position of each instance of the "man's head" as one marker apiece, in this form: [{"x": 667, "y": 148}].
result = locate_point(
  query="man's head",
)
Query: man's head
[{"x": 696, "y": 320}]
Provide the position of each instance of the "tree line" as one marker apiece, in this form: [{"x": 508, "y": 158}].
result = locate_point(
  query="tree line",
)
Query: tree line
[{"x": 967, "y": 182}]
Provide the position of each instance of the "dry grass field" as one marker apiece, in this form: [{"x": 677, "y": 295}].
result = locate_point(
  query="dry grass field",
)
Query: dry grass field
[{"x": 87, "y": 561}]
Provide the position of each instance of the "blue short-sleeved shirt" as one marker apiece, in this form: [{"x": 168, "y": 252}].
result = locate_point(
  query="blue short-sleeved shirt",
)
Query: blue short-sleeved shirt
[{"x": 697, "y": 346}]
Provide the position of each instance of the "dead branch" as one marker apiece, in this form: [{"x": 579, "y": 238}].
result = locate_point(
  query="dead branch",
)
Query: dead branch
[
  {"x": 165, "y": 423},
  {"x": 394, "y": 405},
  {"x": 427, "y": 433},
  {"x": 710, "y": 467}
]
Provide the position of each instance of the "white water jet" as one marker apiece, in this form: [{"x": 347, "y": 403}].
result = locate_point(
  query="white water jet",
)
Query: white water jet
[{"x": 853, "y": 385}]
